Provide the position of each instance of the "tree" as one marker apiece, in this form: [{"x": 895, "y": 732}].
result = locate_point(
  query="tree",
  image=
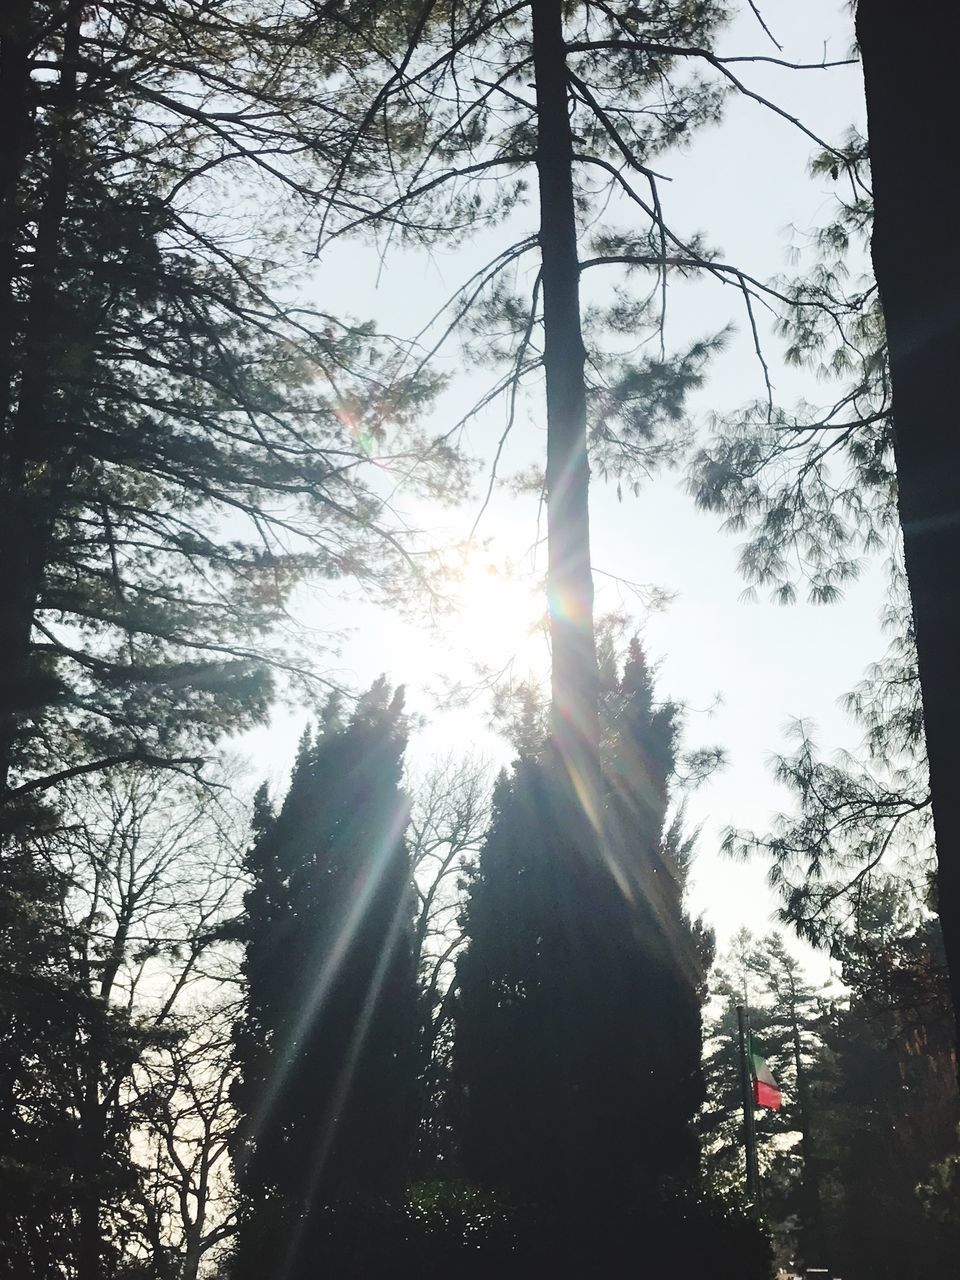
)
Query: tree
[
  {"x": 328, "y": 1043},
  {"x": 577, "y": 1026},
  {"x": 812, "y": 485},
  {"x": 449, "y": 816},
  {"x": 612, "y": 92},
  {"x": 180, "y": 443},
  {"x": 875, "y": 464},
  {"x": 866, "y": 1066},
  {"x": 574, "y": 677},
  {"x": 180, "y": 440},
  {"x": 143, "y": 879},
  {"x": 185, "y": 1210},
  {"x": 919, "y": 295},
  {"x": 733, "y": 981},
  {"x": 48, "y": 1023},
  {"x": 786, "y": 1018},
  {"x": 890, "y": 1120},
  {"x": 857, "y": 820}
]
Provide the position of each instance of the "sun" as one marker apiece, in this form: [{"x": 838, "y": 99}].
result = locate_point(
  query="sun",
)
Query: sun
[{"x": 496, "y": 612}]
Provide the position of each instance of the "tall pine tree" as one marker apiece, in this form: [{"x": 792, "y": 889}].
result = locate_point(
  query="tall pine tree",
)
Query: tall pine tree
[
  {"x": 328, "y": 1044},
  {"x": 179, "y": 442}
]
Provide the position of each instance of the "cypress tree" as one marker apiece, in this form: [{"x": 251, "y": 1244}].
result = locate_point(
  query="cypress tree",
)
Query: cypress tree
[
  {"x": 577, "y": 1021},
  {"x": 328, "y": 1043}
]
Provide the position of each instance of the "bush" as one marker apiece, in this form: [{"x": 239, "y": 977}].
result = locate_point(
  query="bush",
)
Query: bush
[{"x": 447, "y": 1230}]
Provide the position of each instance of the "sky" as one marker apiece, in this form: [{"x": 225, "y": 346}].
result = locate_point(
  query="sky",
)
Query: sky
[{"x": 744, "y": 669}]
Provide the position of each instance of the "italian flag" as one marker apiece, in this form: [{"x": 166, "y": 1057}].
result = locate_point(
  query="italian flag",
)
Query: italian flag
[{"x": 766, "y": 1092}]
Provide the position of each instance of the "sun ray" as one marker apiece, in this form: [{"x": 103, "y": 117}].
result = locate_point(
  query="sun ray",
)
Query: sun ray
[{"x": 328, "y": 967}]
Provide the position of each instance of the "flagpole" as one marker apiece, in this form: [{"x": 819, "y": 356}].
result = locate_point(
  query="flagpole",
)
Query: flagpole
[{"x": 749, "y": 1128}]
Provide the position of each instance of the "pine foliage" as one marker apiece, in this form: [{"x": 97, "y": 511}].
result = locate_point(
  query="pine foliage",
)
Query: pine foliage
[{"x": 180, "y": 439}]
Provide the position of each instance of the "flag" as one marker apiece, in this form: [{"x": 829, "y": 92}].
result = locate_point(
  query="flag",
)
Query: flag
[{"x": 766, "y": 1091}]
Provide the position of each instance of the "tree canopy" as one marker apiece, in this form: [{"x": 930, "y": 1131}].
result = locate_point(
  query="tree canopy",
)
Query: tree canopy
[{"x": 182, "y": 438}]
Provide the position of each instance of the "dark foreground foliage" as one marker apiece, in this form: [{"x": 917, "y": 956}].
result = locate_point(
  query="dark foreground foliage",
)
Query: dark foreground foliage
[
  {"x": 327, "y": 1049},
  {"x": 450, "y": 1230}
]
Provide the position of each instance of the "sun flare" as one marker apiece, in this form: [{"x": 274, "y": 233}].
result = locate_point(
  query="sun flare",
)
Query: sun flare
[{"x": 496, "y": 613}]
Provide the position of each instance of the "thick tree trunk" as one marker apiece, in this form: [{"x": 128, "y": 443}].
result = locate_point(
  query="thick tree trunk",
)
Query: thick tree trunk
[
  {"x": 15, "y": 113},
  {"x": 909, "y": 65},
  {"x": 569, "y": 578},
  {"x": 35, "y": 464}
]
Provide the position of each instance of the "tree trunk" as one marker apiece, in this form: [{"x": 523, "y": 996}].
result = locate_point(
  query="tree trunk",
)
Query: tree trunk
[
  {"x": 194, "y": 1229},
  {"x": 88, "y": 1225},
  {"x": 814, "y": 1249},
  {"x": 15, "y": 112},
  {"x": 569, "y": 578},
  {"x": 910, "y": 73},
  {"x": 35, "y": 461}
]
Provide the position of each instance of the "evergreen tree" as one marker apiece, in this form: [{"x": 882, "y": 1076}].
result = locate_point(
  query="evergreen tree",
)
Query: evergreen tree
[
  {"x": 577, "y": 1018},
  {"x": 786, "y": 1014},
  {"x": 734, "y": 981},
  {"x": 52, "y": 1033},
  {"x": 179, "y": 442},
  {"x": 328, "y": 1045},
  {"x": 818, "y": 487},
  {"x": 179, "y": 446},
  {"x": 891, "y": 1117},
  {"x": 489, "y": 101},
  {"x": 610, "y": 92},
  {"x": 869, "y": 1097}
]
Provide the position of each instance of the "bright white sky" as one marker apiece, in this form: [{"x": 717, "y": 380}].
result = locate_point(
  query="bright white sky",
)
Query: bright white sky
[{"x": 746, "y": 185}]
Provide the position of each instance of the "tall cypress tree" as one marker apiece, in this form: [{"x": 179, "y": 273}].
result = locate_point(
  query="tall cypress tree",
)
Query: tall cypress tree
[
  {"x": 328, "y": 1044},
  {"x": 577, "y": 1022}
]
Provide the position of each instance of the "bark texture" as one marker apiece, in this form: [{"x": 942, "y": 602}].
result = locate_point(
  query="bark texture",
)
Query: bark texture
[
  {"x": 569, "y": 577},
  {"x": 910, "y": 66},
  {"x": 35, "y": 462}
]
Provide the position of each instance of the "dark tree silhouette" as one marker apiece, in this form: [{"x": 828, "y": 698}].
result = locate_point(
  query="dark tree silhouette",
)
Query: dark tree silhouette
[
  {"x": 54, "y": 1037},
  {"x": 154, "y": 390},
  {"x": 786, "y": 1016},
  {"x": 577, "y": 1050},
  {"x": 108, "y": 926},
  {"x": 328, "y": 1046},
  {"x": 176, "y": 452},
  {"x": 909, "y": 110},
  {"x": 610, "y": 91},
  {"x": 893, "y": 1111},
  {"x": 574, "y": 676}
]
